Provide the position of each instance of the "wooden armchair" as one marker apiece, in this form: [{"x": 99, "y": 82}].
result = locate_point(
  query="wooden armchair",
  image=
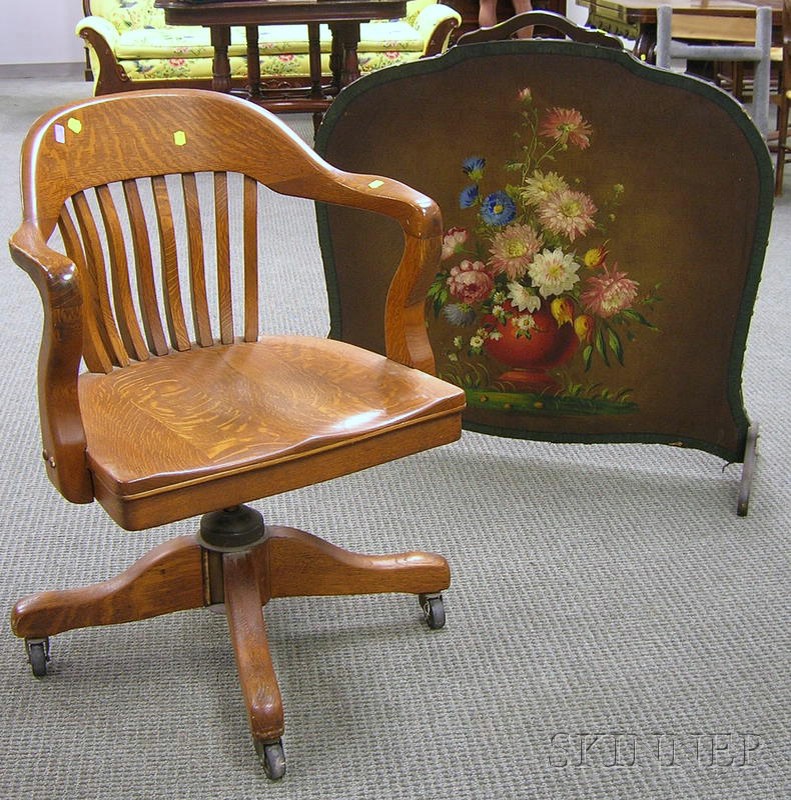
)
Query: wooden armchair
[{"x": 180, "y": 411}]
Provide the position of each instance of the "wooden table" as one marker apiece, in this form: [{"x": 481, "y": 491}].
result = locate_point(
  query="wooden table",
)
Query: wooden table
[
  {"x": 636, "y": 19},
  {"x": 342, "y": 16}
]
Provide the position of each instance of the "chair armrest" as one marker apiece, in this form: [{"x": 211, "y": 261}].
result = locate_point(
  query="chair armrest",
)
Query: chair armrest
[
  {"x": 406, "y": 337},
  {"x": 62, "y": 432},
  {"x": 102, "y": 27},
  {"x": 435, "y": 23}
]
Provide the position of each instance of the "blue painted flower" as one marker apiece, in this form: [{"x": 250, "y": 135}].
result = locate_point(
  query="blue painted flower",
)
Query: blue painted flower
[
  {"x": 498, "y": 209},
  {"x": 473, "y": 167},
  {"x": 468, "y": 196},
  {"x": 459, "y": 314}
]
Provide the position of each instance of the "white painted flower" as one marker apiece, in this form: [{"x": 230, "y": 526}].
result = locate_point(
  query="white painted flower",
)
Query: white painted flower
[
  {"x": 523, "y": 298},
  {"x": 523, "y": 323},
  {"x": 538, "y": 187},
  {"x": 553, "y": 272}
]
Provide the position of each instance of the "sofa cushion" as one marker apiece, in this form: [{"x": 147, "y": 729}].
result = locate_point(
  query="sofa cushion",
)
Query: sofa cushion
[
  {"x": 193, "y": 41},
  {"x": 283, "y": 65}
]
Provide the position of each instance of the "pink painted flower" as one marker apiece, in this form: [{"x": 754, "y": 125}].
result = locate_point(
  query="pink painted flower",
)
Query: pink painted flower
[
  {"x": 453, "y": 242},
  {"x": 513, "y": 249},
  {"x": 566, "y": 125},
  {"x": 607, "y": 294},
  {"x": 470, "y": 281},
  {"x": 526, "y": 95},
  {"x": 567, "y": 213},
  {"x": 286, "y": 57},
  {"x": 177, "y": 62}
]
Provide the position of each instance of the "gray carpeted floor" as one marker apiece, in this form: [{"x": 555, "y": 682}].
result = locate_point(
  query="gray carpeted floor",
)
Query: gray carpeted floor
[{"x": 615, "y": 630}]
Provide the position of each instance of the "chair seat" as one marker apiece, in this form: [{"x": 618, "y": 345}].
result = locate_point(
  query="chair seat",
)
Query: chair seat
[{"x": 292, "y": 395}]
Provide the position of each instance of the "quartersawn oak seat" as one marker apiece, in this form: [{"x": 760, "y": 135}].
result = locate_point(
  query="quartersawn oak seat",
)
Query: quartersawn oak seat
[{"x": 289, "y": 395}]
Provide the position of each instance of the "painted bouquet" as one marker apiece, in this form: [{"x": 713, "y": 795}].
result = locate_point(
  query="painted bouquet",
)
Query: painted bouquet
[{"x": 530, "y": 282}]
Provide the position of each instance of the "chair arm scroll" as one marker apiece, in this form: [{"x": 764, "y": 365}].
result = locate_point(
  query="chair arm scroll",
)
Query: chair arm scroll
[
  {"x": 435, "y": 23},
  {"x": 101, "y": 27},
  {"x": 63, "y": 435}
]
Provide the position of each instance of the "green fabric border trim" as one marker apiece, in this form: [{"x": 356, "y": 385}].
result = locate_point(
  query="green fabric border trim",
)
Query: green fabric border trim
[{"x": 689, "y": 83}]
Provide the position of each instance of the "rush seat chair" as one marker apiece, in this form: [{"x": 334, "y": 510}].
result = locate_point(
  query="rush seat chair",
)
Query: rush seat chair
[{"x": 159, "y": 398}]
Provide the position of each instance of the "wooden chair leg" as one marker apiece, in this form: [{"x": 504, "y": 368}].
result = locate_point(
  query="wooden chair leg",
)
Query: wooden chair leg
[
  {"x": 299, "y": 564},
  {"x": 168, "y": 578},
  {"x": 243, "y": 604},
  {"x": 782, "y": 146}
]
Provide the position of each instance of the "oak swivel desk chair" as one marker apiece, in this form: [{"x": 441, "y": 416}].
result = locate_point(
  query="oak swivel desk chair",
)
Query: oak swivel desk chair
[{"x": 179, "y": 413}]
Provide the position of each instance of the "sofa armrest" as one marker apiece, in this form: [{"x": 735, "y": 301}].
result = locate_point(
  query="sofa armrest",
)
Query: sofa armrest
[
  {"x": 435, "y": 23},
  {"x": 102, "y": 27}
]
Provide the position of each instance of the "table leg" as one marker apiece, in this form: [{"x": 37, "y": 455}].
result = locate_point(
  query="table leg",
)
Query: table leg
[
  {"x": 253, "y": 61},
  {"x": 345, "y": 38},
  {"x": 314, "y": 58},
  {"x": 221, "y": 66}
]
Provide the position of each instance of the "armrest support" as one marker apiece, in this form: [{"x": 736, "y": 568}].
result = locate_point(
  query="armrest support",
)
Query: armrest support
[
  {"x": 406, "y": 339},
  {"x": 63, "y": 436}
]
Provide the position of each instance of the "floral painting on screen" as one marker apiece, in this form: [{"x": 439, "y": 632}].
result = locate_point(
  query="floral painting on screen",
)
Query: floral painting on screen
[{"x": 531, "y": 284}]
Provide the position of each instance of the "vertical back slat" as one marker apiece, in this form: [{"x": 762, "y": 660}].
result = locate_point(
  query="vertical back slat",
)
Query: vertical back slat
[
  {"x": 250, "y": 215},
  {"x": 94, "y": 353},
  {"x": 171, "y": 286},
  {"x": 125, "y": 313},
  {"x": 100, "y": 296},
  {"x": 222, "y": 235},
  {"x": 144, "y": 271},
  {"x": 197, "y": 264}
]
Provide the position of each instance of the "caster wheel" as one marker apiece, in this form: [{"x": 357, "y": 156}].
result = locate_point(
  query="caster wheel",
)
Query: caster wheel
[
  {"x": 433, "y": 610},
  {"x": 272, "y": 758},
  {"x": 37, "y": 655}
]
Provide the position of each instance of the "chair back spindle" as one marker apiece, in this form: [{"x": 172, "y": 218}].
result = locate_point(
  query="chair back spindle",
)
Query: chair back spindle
[{"x": 113, "y": 233}]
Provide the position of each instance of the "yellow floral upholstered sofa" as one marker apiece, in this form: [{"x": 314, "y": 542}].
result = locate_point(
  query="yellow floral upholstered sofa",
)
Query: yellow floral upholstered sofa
[{"x": 131, "y": 46}]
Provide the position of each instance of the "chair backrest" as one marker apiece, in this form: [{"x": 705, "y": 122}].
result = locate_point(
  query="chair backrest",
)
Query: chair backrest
[
  {"x": 155, "y": 195},
  {"x": 716, "y": 28},
  {"x": 628, "y": 206}
]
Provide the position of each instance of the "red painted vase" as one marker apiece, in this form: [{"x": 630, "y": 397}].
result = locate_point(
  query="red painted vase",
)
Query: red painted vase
[{"x": 549, "y": 346}]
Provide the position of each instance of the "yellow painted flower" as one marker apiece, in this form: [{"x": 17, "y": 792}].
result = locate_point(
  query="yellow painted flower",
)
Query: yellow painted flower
[
  {"x": 583, "y": 327},
  {"x": 562, "y": 310},
  {"x": 596, "y": 256}
]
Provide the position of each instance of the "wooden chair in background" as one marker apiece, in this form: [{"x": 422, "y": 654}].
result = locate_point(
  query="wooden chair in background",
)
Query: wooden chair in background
[
  {"x": 720, "y": 37},
  {"x": 194, "y": 414},
  {"x": 782, "y": 98}
]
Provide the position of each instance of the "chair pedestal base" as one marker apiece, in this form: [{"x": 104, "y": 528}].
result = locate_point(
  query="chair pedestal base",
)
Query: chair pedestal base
[{"x": 181, "y": 575}]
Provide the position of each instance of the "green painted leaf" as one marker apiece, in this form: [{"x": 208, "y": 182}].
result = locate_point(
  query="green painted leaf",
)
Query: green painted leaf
[
  {"x": 615, "y": 344},
  {"x": 601, "y": 348},
  {"x": 636, "y": 316},
  {"x": 587, "y": 356}
]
